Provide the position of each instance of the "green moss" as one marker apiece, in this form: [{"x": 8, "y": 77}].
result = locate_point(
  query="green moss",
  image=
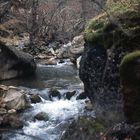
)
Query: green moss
[
  {"x": 91, "y": 35},
  {"x": 121, "y": 6},
  {"x": 102, "y": 30},
  {"x": 130, "y": 57},
  {"x": 96, "y": 24},
  {"x": 93, "y": 125},
  {"x": 85, "y": 128}
]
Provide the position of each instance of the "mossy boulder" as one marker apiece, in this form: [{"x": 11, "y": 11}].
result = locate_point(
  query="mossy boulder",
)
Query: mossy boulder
[
  {"x": 84, "y": 129},
  {"x": 108, "y": 37},
  {"x": 130, "y": 79},
  {"x": 116, "y": 25}
]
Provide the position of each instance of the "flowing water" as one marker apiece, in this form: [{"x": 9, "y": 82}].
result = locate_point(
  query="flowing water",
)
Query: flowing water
[{"x": 60, "y": 112}]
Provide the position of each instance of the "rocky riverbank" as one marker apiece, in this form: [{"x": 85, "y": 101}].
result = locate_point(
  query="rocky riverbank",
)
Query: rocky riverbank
[{"x": 14, "y": 63}]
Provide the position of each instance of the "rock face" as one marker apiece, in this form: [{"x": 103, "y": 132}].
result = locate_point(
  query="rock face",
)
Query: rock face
[
  {"x": 130, "y": 79},
  {"x": 106, "y": 44},
  {"x": 14, "y": 63}
]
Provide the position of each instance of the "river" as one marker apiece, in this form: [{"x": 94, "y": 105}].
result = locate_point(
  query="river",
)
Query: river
[{"x": 63, "y": 77}]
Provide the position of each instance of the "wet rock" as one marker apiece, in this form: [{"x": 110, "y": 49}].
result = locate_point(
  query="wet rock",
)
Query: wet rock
[
  {"x": 51, "y": 61},
  {"x": 3, "y": 111},
  {"x": 89, "y": 106},
  {"x": 84, "y": 129},
  {"x": 42, "y": 116},
  {"x": 69, "y": 95},
  {"x": 13, "y": 98},
  {"x": 12, "y": 111},
  {"x": 14, "y": 63},
  {"x": 35, "y": 98},
  {"x": 81, "y": 96},
  {"x": 13, "y": 121},
  {"x": 62, "y": 53},
  {"x": 130, "y": 79},
  {"x": 61, "y": 61},
  {"x": 54, "y": 93},
  {"x": 77, "y": 45},
  {"x": 73, "y": 49}
]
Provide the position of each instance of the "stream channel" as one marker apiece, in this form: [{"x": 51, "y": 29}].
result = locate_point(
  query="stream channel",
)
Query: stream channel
[{"x": 61, "y": 112}]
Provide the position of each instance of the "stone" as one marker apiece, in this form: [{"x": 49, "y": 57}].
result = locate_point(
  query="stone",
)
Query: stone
[
  {"x": 69, "y": 95},
  {"x": 41, "y": 116},
  {"x": 51, "y": 61},
  {"x": 81, "y": 96},
  {"x": 54, "y": 93},
  {"x": 89, "y": 106},
  {"x": 35, "y": 98},
  {"x": 3, "y": 111},
  {"x": 14, "y": 98},
  {"x": 12, "y": 111},
  {"x": 61, "y": 61},
  {"x": 72, "y": 49},
  {"x": 13, "y": 121},
  {"x": 77, "y": 45},
  {"x": 14, "y": 63}
]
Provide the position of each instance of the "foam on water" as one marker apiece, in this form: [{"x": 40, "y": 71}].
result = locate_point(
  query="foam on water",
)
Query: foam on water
[{"x": 59, "y": 113}]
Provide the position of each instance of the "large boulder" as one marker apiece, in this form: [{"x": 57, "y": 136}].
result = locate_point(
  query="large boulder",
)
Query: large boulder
[
  {"x": 13, "y": 98},
  {"x": 130, "y": 79},
  {"x": 14, "y": 63},
  {"x": 107, "y": 41}
]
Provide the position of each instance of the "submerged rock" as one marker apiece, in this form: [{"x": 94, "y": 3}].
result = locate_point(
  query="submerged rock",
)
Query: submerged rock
[
  {"x": 14, "y": 63},
  {"x": 81, "y": 96},
  {"x": 42, "y": 116},
  {"x": 54, "y": 93},
  {"x": 35, "y": 98},
  {"x": 69, "y": 95}
]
